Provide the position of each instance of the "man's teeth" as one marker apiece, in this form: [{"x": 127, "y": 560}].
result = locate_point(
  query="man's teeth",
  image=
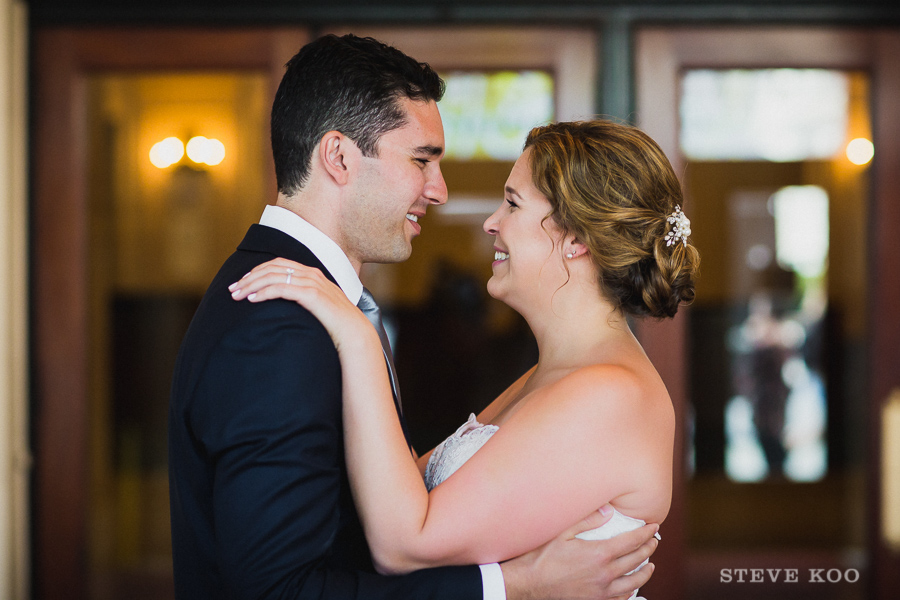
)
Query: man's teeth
[
  {"x": 500, "y": 255},
  {"x": 412, "y": 218}
]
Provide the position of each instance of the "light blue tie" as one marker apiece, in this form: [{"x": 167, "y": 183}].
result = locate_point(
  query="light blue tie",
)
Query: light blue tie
[{"x": 369, "y": 308}]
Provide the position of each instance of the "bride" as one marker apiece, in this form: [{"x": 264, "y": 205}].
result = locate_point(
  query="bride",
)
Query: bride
[{"x": 589, "y": 233}]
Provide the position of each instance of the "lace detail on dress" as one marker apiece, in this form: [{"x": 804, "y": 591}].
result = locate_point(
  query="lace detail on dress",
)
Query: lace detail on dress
[{"x": 453, "y": 452}]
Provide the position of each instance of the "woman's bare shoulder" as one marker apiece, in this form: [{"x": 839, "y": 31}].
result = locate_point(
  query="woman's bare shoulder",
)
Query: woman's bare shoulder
[
  {"x": 632, "y": 413},
  {"x": 613, "y": 387},
  {"x": 621, "y": 405}
]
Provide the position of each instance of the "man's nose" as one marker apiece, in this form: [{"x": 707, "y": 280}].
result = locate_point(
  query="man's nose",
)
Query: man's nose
[{"x": 436, "y": 188}]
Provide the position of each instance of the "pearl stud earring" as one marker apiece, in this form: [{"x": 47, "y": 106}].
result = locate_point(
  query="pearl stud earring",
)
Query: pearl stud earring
[{"x": 570, "y": 255}]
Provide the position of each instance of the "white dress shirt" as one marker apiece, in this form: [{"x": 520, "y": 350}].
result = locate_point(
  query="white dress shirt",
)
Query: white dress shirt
[
  {"x": 337, "y": 263},
  {"x": 324, "y": 248}
]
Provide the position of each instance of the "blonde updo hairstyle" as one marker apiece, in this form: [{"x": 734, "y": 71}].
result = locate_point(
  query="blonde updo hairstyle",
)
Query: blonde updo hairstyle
[{"x": 611, "y": 186}]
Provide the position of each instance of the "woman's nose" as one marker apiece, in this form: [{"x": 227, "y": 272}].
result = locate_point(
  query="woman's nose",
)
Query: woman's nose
[{"x": 490, "y": 224}]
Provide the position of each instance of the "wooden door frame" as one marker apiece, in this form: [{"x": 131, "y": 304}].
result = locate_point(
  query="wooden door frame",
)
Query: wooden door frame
[
  {"x": 661, "y": 54},
  {"x": 63, "y": 59}
]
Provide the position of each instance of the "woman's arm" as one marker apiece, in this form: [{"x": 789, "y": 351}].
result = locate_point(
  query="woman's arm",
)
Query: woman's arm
[{"x": 575, "y": 445}]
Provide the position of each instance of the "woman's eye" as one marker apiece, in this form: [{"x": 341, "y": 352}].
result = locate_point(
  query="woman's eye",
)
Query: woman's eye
[{"x": 511, "y": 203}]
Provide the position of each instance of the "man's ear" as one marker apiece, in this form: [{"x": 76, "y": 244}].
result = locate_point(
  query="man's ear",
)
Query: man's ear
[{"x": 337, "y": 154}]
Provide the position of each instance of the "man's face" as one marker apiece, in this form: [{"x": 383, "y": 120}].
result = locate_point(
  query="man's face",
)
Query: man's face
[{"x": 393, "y": 190}]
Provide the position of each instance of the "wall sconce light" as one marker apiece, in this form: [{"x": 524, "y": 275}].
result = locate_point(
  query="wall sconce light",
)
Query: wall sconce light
[
  {"x": 200, "y": 150},
  {"x": 205, "y": 150},
  {"x": 860, "y": 151}
]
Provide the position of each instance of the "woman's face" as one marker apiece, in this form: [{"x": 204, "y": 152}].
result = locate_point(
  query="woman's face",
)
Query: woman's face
[{"x": 528, "y": 257}]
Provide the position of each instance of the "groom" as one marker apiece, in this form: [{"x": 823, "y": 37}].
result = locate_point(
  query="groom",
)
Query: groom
[{"x": 260, "y": 501}]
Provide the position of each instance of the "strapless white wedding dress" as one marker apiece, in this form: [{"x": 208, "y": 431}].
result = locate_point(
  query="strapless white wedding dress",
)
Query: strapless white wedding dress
[{"x": 453, "y": 452}]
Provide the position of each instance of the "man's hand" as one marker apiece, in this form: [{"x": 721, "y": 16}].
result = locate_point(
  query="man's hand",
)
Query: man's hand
[{"x": 567, "y": 568}]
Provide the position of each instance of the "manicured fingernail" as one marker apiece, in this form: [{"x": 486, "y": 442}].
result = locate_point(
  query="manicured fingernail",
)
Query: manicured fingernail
[
  {"x": 232, "y": 286},
  {"x": 251, "y": 296},
  {"x": 235, "y": 293},
  {"x": 606, "y": 510}
]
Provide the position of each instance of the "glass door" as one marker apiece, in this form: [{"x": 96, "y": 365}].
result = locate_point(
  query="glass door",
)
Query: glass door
[
  {"x": 775, "y": 135},
  {"x": 778, "y": 189}
]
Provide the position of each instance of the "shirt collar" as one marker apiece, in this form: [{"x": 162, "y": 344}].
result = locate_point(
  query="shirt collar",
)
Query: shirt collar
[{"x": 322, "y": 246}]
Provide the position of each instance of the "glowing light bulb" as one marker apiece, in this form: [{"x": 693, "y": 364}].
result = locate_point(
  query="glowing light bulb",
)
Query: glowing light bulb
[
  {"x": 860, "y": 151},
  {"x": 205, "y": 150},
  {"x": 215, "y": 152},
  {"x": 167, "y": 152},
  {"x": 196, "y": 149}
]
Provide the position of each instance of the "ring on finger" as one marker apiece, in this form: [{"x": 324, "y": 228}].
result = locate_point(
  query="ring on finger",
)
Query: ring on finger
[{"x": 290, "y": 273}]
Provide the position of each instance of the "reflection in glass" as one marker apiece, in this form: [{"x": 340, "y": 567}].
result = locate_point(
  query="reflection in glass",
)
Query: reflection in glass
[
  {"x": 488, "y": 115},
  {"x": 775, "y": 423},
  {"x": 801, "y": 231},
  {"x": 778, "y": 325},
  {"x": 769, "y": 114}
]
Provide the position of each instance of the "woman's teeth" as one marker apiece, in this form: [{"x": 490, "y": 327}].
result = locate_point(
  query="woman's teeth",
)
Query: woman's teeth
[{"x": 500, "y": 255}]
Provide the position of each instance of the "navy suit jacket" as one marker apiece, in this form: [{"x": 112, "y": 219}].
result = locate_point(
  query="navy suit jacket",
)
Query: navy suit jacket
[{"x": 260, "y": 501}]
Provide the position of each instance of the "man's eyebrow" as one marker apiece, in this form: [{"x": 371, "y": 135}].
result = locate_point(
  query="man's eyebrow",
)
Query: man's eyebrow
[
  {"x": 512, "y": 191},
  {"x": 429, "y": 150}
]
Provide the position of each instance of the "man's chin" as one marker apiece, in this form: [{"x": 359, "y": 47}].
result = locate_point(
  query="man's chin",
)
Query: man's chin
[{"x": 396, "y": 255}]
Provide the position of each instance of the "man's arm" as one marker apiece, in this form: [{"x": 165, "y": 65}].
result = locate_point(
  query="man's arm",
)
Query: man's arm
[{"x": 571, "y": 569}]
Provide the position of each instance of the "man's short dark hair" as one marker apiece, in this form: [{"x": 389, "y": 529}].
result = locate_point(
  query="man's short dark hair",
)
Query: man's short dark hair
[{"x": 347, "y": 84}]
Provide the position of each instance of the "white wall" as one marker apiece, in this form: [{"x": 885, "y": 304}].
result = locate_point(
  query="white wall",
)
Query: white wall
[{"x": 14, "y": 455}]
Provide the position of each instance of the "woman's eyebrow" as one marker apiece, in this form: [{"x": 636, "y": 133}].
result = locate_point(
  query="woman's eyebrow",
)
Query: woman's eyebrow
[{"x": 512, "y": 191}]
